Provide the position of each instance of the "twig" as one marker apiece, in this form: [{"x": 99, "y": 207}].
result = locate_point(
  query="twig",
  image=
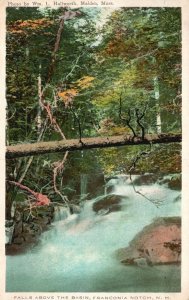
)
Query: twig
[
  {"x": 79, "y": 124},
  {"x": 136, "y": 159},
  {"x": 139, "y": 118},
  {"x": 31, "y": 158},
  {"x": 56, "y": 47},
  {"x": 23, "y": 187},
  {"x": 73, "y": 67},
  {"x": 59, "y": 168},
  {"x": 40, "y": 105},
  {"x": 129, "y": 125},
  {"x": 31, "y": 206},
  {"x": 40, "y": 198},
  {"x": 8, "y": 119},
  {"x": 127, "y": 121},
  {"x": 53, "y": 121}
]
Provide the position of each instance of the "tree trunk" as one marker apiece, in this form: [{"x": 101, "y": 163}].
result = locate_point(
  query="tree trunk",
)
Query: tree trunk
[
  {"x": 87, "y": 143},
  {"x": 157, "y": 96}
]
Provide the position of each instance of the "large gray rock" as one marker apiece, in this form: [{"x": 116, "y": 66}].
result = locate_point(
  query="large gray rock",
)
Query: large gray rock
[
  {"x": 157, "y": 243},
  {"x": 108, "y": 204},
  {"x": 145, "y": 179}
]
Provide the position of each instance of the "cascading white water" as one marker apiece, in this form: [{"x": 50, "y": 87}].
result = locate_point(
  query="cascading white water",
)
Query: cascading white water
[
  {"x": 83, "y": 185},
  {"x": 77, "y": 253},
  {"x": 61, "y": 213}
]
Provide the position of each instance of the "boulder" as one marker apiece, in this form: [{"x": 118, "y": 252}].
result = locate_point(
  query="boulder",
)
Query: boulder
[
  {"x": 18, "y": 228},
  {"x": 157, "y": 243},
  {"x": 175, "y": 182},
  {"x": 43, "y": 222},
  {"x": 74, "y": 209},
  {"x": 29, "y": 238},
  {"x": 28, "y": 225},
  {"x": 108, "y": 204},
  {"x": 27, "y": 228},
  {"x": 18, "y": 240},
  {"x": 145, "y": 179},
  {"x": 14, "y": 249},
  {"x": 9, "y": 231}
]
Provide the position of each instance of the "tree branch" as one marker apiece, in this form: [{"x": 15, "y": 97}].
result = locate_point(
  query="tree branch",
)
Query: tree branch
[
  {"x": 56, "y": 47},
  {"x": 59, "y": 167},
  {"x": 127, "y": 121},
  {"x": 139, "y": 156},
  {"x": 40, "y": 198},
  {"x": 139, "y": 118},
  {"x": 78, "y": 122}
]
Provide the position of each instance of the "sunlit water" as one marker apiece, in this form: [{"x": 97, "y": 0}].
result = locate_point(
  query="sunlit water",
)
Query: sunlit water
[{"x": 77, "y": 253}]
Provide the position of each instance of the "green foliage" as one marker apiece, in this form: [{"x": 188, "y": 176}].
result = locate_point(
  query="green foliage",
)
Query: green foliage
[
  {"x": 101, "y": 73},
  {"x": 140, "y": 45},
  {"x": 161, "y": 159}
]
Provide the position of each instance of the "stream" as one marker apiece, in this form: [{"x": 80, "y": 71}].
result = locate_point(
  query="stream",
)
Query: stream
[{"x": 77, "y": 253}]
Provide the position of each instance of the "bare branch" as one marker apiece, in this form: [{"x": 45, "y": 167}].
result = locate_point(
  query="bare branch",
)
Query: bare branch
[
  {"x": 40, "y": 198},
  {"x": 140, "y": 116},
  {"x": 59, "y": 167},
  {"x": 31, "y": 158},
  {"x": 52, "y": 119},
  {"x": 128, "y": 120},
  {"x": 56, "y": 47},
  {"x": 139, "y": 156},
  {"x": 78, "y": 122}
]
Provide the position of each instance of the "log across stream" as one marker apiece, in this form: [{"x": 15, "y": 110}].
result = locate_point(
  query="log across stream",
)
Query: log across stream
[{"x": 21, "y": 150}]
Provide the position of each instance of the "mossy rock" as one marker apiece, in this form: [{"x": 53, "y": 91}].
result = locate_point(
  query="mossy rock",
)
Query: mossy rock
[
  {"x": 175, "y": 183},
  {"x": 110, "y": 203}
]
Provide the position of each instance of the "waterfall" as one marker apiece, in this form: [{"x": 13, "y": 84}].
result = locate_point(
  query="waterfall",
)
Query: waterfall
[
  {"x": 61, "y": 213},
  {"x": 157, "y": 98},
  {"x": 77, "y": 253},
  {"x": 9, "y": 229},
  {"x": 83, "y": 185}
]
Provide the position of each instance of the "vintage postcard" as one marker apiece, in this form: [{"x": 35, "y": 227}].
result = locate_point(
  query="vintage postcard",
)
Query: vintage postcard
[{"x": 94, "y": 150}]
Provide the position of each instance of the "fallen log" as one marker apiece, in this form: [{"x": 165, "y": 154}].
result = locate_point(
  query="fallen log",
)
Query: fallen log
[{"x": 21, "y": 150}]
